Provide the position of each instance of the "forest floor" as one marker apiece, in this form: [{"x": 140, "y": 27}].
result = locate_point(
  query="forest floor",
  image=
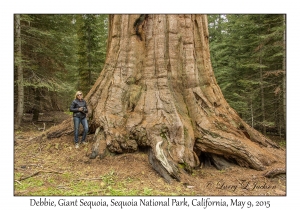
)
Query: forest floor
[{"x": 44, "y": 167}]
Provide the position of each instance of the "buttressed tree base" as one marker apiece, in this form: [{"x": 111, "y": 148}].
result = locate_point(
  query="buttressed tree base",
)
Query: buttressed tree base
[{"x": 158, "y": 91}]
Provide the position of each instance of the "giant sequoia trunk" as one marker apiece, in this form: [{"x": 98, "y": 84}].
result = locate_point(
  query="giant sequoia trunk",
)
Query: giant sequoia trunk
[{"x": 158, "y": 90}]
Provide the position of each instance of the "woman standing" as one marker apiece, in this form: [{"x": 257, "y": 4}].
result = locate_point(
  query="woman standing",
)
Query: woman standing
[{"x": 79, "y": 109}]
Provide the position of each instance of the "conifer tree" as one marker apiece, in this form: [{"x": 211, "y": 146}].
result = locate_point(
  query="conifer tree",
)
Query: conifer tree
[
  {"x": 47, "y": 60},
  {"x": 92, "y": 34},
  {"x": 247, "y": 56}
]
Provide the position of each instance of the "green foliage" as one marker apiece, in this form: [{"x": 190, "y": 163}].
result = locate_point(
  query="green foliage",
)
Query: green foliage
[
  {"x": 47, "y": 58},
  {"x": 108, "y": 179},
  {"x": 91, "y": 48},
  {"x": 147, "y": 191},
  {"x": 247, "y": 53},
  {"x": 51, "y": 54}
]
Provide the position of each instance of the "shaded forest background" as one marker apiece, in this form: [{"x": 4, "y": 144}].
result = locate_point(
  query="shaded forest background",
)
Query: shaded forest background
[{"x": 56, "y": 55}]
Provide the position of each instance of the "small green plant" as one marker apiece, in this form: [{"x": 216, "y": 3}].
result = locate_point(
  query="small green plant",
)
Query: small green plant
[
  {"x": 108, "y": 179},
  {"x": 66, "y": 176},
  {"x": 68, "y": 112},
  {"x": 148, "y": 191},
  {"x": 129, "y": 180},
  {"x": 282, "y": 144},
  {"x": 28, "y": 184},
  {"x": 18, "y": 132}
]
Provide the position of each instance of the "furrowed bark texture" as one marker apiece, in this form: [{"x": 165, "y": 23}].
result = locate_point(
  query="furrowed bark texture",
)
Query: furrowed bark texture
[{"x": 158, "y": 90}]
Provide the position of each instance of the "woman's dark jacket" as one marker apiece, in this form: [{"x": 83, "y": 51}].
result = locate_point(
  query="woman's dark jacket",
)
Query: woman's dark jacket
[{"x": 76, "y": 104}]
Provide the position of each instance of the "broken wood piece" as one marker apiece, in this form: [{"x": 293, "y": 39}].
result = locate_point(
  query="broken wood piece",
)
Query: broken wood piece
[{"x": 38, "y": 172}]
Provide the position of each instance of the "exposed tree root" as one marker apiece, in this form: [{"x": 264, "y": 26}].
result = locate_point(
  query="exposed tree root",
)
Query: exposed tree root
[
  {"x": 274, "y": 172},
  {"x": 65, "y": 128}
]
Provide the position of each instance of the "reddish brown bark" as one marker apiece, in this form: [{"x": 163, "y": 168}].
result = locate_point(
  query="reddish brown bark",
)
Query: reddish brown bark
[{"x": 158, "y": 90}]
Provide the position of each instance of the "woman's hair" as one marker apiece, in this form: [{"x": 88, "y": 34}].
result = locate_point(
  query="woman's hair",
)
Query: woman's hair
[{"x": 78, "y": 92}]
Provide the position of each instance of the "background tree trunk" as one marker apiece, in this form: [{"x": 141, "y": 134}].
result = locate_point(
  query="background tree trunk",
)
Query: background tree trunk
[
  {"x": 158, "y": 90},
  {"x": 20, "y": 105},
  {"x": 263, "y": 113}
]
